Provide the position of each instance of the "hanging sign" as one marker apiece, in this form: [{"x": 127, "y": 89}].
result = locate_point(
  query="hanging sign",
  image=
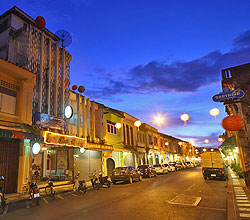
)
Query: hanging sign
[{"x": 228, "y": 94}]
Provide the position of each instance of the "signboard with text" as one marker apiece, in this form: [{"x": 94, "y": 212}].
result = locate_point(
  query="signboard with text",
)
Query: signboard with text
[{"x": 228, "y": 94}]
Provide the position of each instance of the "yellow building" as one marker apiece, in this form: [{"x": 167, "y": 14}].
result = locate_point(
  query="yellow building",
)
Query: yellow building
[{"x": 16, "y": 93}]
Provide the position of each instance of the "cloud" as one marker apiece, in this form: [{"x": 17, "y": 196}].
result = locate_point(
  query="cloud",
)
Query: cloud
[{"x": 179, "y": 76}]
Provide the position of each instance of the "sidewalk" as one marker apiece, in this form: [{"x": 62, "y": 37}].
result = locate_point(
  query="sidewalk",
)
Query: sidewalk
[
  {"x": 59, "y": 187},
  {"x": 238, "y": 205}
]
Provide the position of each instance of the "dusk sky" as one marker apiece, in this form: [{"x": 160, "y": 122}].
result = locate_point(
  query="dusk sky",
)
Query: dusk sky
[{"x": 149, "y": 57}]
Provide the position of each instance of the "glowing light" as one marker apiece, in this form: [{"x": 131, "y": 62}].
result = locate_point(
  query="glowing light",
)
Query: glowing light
[
  {"x": 214, "y": 112},
  {"x": 204, "y": 149},
  {"x": 212, "y": 150},
  {"x": 44, "y": 148},
  {"x": 184, "y": 117},
  {"x": 236, "y": 150},
  {"x": 68, "y": 112},
  {"x": 36, "y": 148},
  {"x": 220, "y": 139},
  {"x": 166, "y": 143},
  {"x": 137, "y": 124},
  {"x": 125, "y": 154},
  {"x": 118, "y": 125},
  {"x": 206, "y": 141},
  {"x": 159, "y": 119},
  {"x": 180, "y": 143},
  {"x": 192, "y": 142},
  {"x": 230, "y": 153},
  {"x": 82, "y": 149},
  {"x": 46, "y": 133}
]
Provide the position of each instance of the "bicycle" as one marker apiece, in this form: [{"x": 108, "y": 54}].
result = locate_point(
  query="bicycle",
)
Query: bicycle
[
  {"x": 2, "y": 198},
  {"x": 49, "y": 189}
]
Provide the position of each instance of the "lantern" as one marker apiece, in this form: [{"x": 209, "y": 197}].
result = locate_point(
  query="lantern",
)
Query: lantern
[
  {"x": 81, "y": 89},
  {"x": 214, "y": 112},
  {"x": 74, "y": 87},
  {"x": 118, "y": 125},
  {"x": 137, "y": 124},
  {"x": 232, "y": 123},
  {"x": 40, "y": 22},
  {"x": 184, "y": 117},
  {"x": 206, "y": 141}
]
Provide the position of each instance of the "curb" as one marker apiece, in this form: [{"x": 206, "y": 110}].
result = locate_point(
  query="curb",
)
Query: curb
[
  {"x": 231, "y": 209},
  {"x": 42, "y": 192}
]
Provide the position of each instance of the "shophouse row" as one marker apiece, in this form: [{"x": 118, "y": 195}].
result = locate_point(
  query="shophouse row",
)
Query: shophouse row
[{"x": 47, "y": 127}]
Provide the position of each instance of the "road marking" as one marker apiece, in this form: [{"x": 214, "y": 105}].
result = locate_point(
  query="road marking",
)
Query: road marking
[
  {"x": 45, "y": 200},
  {"x": 60, "y": 197},
  {"x": 190, "y": 187},
  {"x": 244, "y": 209},
  {"x": 243, "y": 204},
  {"x": 242, "y": 200},
  {"x": 72, "y": 194},
  {"x": 244, "y": 215},
  {"x": 204, "y": 207}
]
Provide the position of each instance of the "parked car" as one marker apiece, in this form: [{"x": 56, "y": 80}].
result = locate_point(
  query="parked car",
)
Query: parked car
[
  {"x": 176, "y": 165},
  {"x": 126, "y": 174},
  {"x": 147, "y": 170},
  {"x": 165, "y": 169},
  {"x": 190, "y": 164},
  {"x": 159, "y": 169},
  {"x": 171, "y": 168}
]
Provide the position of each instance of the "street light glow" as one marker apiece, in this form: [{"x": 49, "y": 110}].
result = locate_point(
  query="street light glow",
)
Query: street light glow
[
  {"x": 159, "y": 119},
  {"x": 206, "y": 141}
]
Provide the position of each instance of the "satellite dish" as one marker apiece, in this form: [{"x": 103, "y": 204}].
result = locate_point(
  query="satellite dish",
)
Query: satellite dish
[{"x": 65, "y": 37}]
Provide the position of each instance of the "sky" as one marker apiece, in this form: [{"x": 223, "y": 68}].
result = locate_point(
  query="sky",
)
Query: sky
[{"x": 148, "y": 58}]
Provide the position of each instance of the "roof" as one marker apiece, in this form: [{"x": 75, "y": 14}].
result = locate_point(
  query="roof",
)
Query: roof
[{"x": 19, "y": 13}]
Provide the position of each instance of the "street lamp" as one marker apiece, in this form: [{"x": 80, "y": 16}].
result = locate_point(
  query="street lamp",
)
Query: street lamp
[
  {"x": 214, "y": 112},
  {"x": 180, "y": 143},
  {"x": 166, "y": 143},
  {"x": 220, "y": 139},
  {"x": 184, "y": 117},
  {"x": 159, "y": 119},
  {"x": 206, "y": 141},
  {"x": 118, "y": 125},
  {"x": 137, "y": 124}
]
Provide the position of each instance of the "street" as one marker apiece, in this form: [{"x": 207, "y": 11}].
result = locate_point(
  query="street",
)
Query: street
[{"x": 183, "y": 195}]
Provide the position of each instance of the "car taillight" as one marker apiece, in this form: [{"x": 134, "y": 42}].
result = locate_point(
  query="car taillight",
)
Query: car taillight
[
  {"x": 222, "y": 171},
  {"x": 202, "y": 170}
]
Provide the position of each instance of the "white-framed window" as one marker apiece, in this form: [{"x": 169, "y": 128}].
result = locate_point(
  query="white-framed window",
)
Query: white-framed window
[
  {"x": 8, "y": 100},
  {"x": 111, "y": 127}
]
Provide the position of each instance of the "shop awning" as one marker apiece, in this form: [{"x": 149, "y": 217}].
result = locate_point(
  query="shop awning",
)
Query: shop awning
[
  {"x": 229, "y": 143},
  {"x": 19, "y": 135}
]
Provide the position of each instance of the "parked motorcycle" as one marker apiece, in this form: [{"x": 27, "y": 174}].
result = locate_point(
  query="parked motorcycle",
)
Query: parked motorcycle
[
  {"x": 79, "y": 185},
  {"x": 104, "y": 180},
  {"x": 49, "y": 189},
  {"x": 34, "y": 193},
  {"x": 2, "y": 198},
  {"x": 95, "y": 181}
]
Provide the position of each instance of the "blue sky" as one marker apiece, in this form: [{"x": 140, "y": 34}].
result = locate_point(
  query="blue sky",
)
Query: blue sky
[{"x": 148, "y": 57}]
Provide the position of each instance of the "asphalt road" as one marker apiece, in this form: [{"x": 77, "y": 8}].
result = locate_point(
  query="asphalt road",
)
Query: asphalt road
[{"x": 183, "y": 195}]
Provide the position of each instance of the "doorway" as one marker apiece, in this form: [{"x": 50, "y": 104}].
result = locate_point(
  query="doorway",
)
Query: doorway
[{"x": 110, "y": 166}]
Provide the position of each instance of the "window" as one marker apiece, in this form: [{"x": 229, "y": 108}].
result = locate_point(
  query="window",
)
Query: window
[
  {"x": 111, "y": 127},
  {"x": 155, "y": 141},
  {"x": 8, "y": 99}
]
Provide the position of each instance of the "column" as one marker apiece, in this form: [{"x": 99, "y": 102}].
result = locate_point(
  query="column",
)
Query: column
[
  {"x": 93, "y": 119},
  {"x": 88, "y": 117},
  {"x": 40, "y": 74},
  {"x": 83, "y": 117},
  {"x": 63, "y": 80},
  {"x": 49, "y": 76},
  {"x": 56, "y": 80}
]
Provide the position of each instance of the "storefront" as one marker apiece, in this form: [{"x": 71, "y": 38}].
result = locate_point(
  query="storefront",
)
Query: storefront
[{"x": 56, "y": 158}]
